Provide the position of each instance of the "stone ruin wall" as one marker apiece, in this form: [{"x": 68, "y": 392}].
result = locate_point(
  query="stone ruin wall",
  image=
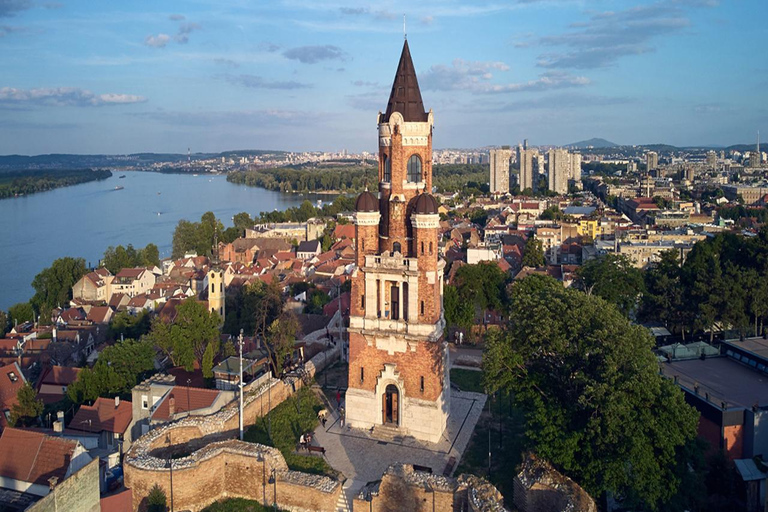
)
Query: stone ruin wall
[
  {"x": 402, "y": 489},
  {"x": 541, "y": 488},
  {"x": 204, "y": 450}
]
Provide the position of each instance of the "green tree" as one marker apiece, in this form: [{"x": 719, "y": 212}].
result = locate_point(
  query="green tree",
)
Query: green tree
[
  {"x": 28, "y": 407},
  {"x": 129, "y": 326},
  {"x": 614, "y": 278},
  {"x": 4, "y": 323},
  {"x": 281, "y": 337},
  {"x": 458, "y": 313},
  {"x": 117, "y": 370},
  {"x": 186, "y": 340},
  {"x": 589, "y": 385},
  {"x": 316, "y": 299},
  {"x": 533, "y": 254},
  {"x": 156, "y": 500},
  {"x": 663, "y": 298},
  {"x": 20, "y": 313},
  {"x": 53, "y": 286}
]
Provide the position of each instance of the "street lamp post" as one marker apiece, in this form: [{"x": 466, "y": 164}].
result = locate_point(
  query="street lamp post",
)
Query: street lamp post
[
  {"x": 240, "y": 384},
  {"x": 273, "y": 481},
  {"x": 369, "y": 499},
  {"x": 264, "y": 479},
  {"x": 431, "y": 489},
  {"x": 490, "y": 423},
  {"x": 170, "y": 466},
  {"x": 189, "y": 407}
]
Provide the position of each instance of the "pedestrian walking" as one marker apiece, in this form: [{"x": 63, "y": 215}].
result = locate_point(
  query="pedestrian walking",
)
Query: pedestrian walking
[
  {"x": 303, "y": 442},
  {"x": 338, "y": 398},
  {"x": 341, "y": 417}
]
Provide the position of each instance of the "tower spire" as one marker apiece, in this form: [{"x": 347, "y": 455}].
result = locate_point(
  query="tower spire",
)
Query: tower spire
[{"x": 406, "y": 96}]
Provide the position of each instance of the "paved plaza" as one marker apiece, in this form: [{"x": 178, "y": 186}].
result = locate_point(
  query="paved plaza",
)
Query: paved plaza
[{"x": 362, "y": 456}]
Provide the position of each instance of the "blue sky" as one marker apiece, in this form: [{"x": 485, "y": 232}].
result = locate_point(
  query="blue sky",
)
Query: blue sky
[{"x": 161, "y": 76}]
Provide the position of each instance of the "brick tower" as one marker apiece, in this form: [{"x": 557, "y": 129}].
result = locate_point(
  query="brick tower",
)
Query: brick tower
[{"x": 398, "y": 363}]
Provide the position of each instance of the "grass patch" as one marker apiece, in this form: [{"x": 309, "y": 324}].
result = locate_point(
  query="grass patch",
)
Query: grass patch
[
  {"x": 507, "y": 429},
  {"x": 468, "y": 380},
  {"x": 296, "y": 415},
  {"x": 237, "y": 505}
]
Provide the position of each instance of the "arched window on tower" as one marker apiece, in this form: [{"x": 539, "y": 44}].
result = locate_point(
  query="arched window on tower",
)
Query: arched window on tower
[
  {"x": 414, "y": 169},
  {"x": 396, "y": 247},
  {"x": 387, "y": 169}
]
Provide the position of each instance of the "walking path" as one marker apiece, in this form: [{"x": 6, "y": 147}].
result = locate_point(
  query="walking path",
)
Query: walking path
[{"x": 362, "y": 456}]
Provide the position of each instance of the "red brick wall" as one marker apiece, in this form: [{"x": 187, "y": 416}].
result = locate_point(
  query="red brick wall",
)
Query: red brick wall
[
  {"x": 426, "y": 361},
  {"x": 710, "y": 432},
  {"x": 734, "y": 441}
]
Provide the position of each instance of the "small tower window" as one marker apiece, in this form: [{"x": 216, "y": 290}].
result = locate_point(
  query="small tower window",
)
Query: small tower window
[
  {"x": 387, "y": 169},
  {"x": 422, "y": 383},
  {"x": 221, "y": 287},
  {"x": 430, "y": 247},
  {"x": 396, "y": 247},
  {"x": 363, "y": 243},
  {"x": 362, "y": 301},
  {"x": 422, "y": 308},
  {"x": 422, "y": 247},
  {"x": 414, "y": 169},
  {"x": 212, "y": 287},
  {"x": 362, "y": 374}
]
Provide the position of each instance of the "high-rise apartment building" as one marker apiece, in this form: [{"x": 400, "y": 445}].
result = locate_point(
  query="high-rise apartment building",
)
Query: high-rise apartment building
[
  {"x": 499, "y": 160},
  {"x": 527, "y": 161},
  {"x": 651, "y": 161},
  {"x": 398, "y": 360},
  {"x": 575, "y": 166},
  {"x": 559, "y": 170}
]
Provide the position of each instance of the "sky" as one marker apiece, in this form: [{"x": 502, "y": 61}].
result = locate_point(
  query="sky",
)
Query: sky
[{"x": 311, "y": 75}]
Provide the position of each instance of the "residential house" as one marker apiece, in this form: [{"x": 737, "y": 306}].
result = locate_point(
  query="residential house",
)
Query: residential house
[
  {"x": 110, "y": 418},
  {"x": 54, "y": 382},
  {"x": 308, "y": 250},
  {"x": 93, "y": 287},
  {"x": 100, "y": 315},
  {"x": 11, "y": 381},
  {"x": 133, "y": 281},
  {"x": 34, "y": 463}
]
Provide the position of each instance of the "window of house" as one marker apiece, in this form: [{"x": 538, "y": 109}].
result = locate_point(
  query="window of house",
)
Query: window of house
[
  {"x": 144, "y": 402},
  {"x": 12, "y": 376},
  {"x": 387, "y": 169},
  {"x": 414, "y": 169}
]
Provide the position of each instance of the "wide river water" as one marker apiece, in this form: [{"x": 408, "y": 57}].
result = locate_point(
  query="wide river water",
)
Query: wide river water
[{"x": 83, "y": 220}]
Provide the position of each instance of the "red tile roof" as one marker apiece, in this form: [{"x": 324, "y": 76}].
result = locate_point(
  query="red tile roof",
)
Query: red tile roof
[
  {"x": 33, "y": 457},
  {"x": 99, "y": 314},
  {"x": 119, "y": 502},
  {"x": 60, "y": 375},
  {"x": 186, "y": 399},
  {"x": 11, "y": 381},
  {"x": 344, "y": 231},
  {"x": 103, "y": 415}
]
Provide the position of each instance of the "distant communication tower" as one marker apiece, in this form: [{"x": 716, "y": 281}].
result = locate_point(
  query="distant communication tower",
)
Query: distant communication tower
[{"x": 189, "y": 158}]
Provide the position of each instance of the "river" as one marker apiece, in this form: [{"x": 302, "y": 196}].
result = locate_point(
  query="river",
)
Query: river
[{"x": 83, "y": 220}]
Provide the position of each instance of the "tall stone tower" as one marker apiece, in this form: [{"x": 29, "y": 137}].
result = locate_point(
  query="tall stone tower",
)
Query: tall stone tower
[
  {"x": 398, "y": 363},
  {"x": 216, "y": 292}
]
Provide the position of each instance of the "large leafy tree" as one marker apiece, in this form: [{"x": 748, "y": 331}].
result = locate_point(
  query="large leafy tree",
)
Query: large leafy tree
[
  {"x": 20, "y": 313},
  {"x": 186, "y": 340},
  {"x": 253, "y": 309},
  {"x": 281, "y": 336},
  {"x": 196, "y": 236},
  {"x": 118, "y": 368},
  {"x": 663, "y": 299},
  {"x": 53, "y": 286},
  {"x": 533, "y": 254},
  {"x": 118, "y": 258},
  {"x": 614, "y": 278},
  {"x": 4, "y": 323},
  {"x": 594, "y": 402},
  {"x": 481, "y": 285},
  {"x": 28, "y": 407},
  {"x": 458, "y": 312}
]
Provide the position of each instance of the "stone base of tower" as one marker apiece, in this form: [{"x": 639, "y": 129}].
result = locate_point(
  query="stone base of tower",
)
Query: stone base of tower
[
  {"x": 398, "y": 381},
  {"x": 421, "y": 419}
]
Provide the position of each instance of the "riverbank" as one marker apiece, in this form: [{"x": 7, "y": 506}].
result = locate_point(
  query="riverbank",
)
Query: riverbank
[{"x": 14, "y": 184}]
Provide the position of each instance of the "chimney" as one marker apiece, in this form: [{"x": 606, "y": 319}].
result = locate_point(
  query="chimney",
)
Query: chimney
[
  {"x": 117, "y": 402},
  {"x": 171, "y": 406},
  {"x": 53, "y": 481},
  {"x": 55, "y": 338},
  {"x": 58, "y": 427}
]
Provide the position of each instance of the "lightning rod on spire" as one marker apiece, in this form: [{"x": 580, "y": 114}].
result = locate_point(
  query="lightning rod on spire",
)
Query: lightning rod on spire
[{"x": 405, "y": 34}]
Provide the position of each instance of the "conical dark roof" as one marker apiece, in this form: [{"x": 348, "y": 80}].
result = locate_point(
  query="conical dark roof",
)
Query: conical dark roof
[
  {"x": 405, "y": 96},
  {"x": 426, "y": 204},
  {"x": 367, "y": 202}
]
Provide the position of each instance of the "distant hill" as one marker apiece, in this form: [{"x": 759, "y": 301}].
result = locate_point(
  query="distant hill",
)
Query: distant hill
[{"x": 593, "y": 143}]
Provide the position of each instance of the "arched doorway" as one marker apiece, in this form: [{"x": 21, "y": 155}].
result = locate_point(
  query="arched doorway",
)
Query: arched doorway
[{"x": 391, "y": 406}]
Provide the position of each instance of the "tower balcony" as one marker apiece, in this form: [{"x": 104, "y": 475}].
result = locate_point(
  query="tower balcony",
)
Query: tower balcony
[
  {"x": 394, "y": 263},
  {"x": 374, "y": 325}
]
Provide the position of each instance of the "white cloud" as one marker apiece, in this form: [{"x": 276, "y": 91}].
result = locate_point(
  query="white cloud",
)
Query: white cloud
[
  {"x": 64, "y": 97},
  {"x": 158, "y": 41}
]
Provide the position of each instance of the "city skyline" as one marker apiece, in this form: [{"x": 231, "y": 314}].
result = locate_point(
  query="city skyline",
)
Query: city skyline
[{"x": 301, "y": 76}]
